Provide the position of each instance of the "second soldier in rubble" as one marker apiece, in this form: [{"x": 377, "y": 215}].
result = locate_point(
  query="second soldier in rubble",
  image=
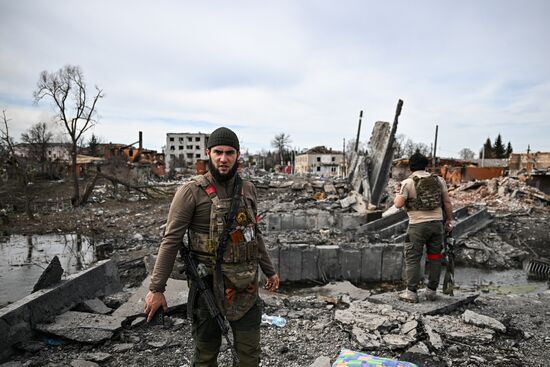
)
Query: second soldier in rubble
[
  {"x": 424, "y": 196},
  {"x": 199, "y": 207}
]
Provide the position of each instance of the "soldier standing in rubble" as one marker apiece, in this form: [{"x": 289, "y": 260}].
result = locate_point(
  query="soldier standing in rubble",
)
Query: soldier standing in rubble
[
  {"x": 199, "y": 207},
  {"x": 424, "y": 195}
]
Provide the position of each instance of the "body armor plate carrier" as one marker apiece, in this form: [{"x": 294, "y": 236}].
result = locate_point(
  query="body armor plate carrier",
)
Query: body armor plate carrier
[
  {"x": 237, "y": 292},
  {"x": 428, "y": 193}
]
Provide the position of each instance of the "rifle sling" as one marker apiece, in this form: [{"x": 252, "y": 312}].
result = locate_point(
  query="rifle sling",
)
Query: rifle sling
[{"x": 228, "y": 222}]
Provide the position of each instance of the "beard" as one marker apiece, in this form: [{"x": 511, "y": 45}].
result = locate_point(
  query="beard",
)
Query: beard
[{"x": 222, "y": 177}]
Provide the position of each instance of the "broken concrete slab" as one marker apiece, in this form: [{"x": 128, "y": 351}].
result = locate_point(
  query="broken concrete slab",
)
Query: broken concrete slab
[
  {"x": 94, "y": 305},
  {"x": 442, "y": 305},
  {"x": 83, "y": 327},
  {"x": 176, "y": 296},
  {"x": 50, "y": 276},
  {"x": 321, "y": 362},
  {"x": 454, "y": 328},
  {"x": 122, "y": 347},
  {"x": 338, "y": 289},
  {"x": 96, "y": 356},
  {"x": 371, "y": 316},
  {"x": 471, "y": 317},
  {"x": 17, "y": 319},
  {"x": 83, "y": 363},
  {"x": 348, "y": 200},
  {"x": 395, "y": 341}
]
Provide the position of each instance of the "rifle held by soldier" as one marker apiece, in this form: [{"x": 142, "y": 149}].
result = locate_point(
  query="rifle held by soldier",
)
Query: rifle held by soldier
[{"x": 196, "y": 275}]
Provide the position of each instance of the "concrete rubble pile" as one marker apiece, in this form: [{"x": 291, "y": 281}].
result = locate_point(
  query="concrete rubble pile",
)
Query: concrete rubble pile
[
  {"x": 504, "y": 194},
  {"x": 320, "y": 322}
]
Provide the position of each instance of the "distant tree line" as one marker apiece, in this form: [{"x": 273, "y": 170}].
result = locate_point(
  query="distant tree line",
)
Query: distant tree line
[{"x": 496, "y": 149}]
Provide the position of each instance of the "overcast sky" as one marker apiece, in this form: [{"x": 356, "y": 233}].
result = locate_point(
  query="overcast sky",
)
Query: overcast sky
[{"x": 306, "y": 68}]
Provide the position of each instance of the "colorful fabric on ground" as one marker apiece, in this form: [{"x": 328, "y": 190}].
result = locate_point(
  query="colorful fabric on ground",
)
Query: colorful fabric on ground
[{"x": 348, "y": 358}]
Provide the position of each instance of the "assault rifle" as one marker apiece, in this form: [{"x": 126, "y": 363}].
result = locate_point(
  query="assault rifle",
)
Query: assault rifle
[
  {"x": 196, "y": 274},
  {"x": 449, "y": 262}
]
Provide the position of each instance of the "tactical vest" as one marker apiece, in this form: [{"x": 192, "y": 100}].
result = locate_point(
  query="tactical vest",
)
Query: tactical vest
[
  {"x": 237, "y": 292},
  {"x": 428, "y": 193}
]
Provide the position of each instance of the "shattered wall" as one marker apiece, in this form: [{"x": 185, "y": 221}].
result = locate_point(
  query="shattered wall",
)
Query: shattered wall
[{"x": 381, "y": 154}]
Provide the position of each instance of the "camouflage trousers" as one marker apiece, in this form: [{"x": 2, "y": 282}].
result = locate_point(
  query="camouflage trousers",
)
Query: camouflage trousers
[
  {"x": 207, "y": 336},
  {"x": 429, "y": 234}
]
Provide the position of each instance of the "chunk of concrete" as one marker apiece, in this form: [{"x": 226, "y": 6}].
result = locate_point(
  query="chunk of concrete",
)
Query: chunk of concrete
[
  {"x": 321, "y": 362},
  {"x": 96, "y": 356},
  {"x": 176, "y": 296},
  {"x": 94, "y": 306},
  {"x": 83, "y": 363},
  {"x": 50, "y": 276},
  {"x": 19, "y": 317},
  {"x": 336, "y": 289},
  {"x": 348, "y": 201},
  {"x": 454, "y": 328},
  {"x": 473, "y": 318},
  {"x": 442, "y": 305},
  {"x": 123, "y": 347},
  {"x": 367, "y": 340},
  {"x": 433, "y": 337},
  {"x": 83, "y": 327},
  {"x": 395, "y": 341}
]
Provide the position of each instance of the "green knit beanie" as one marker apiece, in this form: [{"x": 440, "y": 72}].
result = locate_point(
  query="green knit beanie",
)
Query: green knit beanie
[{"x": 223, "y": 136}]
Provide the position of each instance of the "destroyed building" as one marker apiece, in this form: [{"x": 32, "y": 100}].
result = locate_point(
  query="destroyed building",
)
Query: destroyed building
[
  {"x": 321, "y": 230},
  {"x": 184, "y": 149},
  {"x": 320, "y": 161}
]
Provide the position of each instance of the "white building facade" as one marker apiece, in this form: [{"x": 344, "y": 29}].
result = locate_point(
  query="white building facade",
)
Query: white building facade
[
  {"x": 182, "y": 150},
  {"x": 320, "y": 161}
]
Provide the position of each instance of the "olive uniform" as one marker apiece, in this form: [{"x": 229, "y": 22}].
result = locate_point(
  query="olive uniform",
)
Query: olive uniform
[
  {"x": 423, "y": 192},
  {"x": 199, "y": 206}
]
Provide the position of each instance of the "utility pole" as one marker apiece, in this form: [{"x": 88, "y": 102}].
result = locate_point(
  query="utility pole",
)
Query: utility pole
[
  {"x": 358, "y": 131},
  {"x": 483, "y": 156},
  {"x": 344, "y": 154},
  {"x": 435, "y": 148}
]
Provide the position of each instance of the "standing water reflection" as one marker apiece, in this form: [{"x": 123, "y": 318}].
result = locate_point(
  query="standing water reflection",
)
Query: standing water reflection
[{"x": 24, "y": 258}]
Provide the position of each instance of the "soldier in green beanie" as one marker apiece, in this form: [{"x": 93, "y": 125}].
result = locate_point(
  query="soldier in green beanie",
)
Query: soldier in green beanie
[{"x": 199, "y": 207}]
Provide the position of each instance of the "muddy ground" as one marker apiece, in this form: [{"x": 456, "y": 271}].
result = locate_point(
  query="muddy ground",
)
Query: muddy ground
[{"x": 130, "y": 227}]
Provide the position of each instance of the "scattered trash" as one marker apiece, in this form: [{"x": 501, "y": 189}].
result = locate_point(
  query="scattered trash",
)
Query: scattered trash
[
  {"x": 350, "y": 358},
  {"x": 273, "y": 320},
  {"x": 54, "y": 342}
]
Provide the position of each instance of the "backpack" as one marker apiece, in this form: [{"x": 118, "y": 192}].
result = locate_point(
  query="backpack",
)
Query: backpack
[{"x": 428, "y": 193}]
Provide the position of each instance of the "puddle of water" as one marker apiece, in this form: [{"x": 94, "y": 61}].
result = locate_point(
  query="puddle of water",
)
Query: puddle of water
[
  {"x": 24, "y": 258},
  {"x": 513, "y": 281}
]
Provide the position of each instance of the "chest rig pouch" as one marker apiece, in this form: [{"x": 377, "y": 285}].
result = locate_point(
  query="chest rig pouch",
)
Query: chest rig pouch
[{"x": 235, "y": 286}]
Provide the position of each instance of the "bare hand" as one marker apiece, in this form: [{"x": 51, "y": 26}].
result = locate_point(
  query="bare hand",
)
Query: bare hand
[
  {"x": 448, "y": 226},
  {"x": 272, "y": 283},
  {"x": 152, "y": 303}
]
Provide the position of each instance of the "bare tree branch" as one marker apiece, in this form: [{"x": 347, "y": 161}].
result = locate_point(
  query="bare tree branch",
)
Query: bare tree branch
[{"x": 67, "y": 89}]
